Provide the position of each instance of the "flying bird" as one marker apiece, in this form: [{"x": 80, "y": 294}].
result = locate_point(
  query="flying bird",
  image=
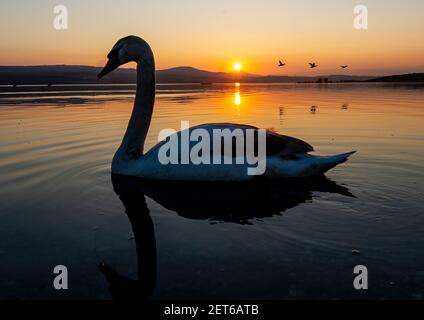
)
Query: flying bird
[
  {"x": 281, "y": 64},
  {"x": 313, "y": 65},
  {"x": 344, "y": 67}
]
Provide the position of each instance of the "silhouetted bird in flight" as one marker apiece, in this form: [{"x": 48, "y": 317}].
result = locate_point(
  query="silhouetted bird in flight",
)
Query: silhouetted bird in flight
[
  {"x": 281, "y": 64},
  {"x": 344, "y": 67},
  {"x": 313, "y": 65}
]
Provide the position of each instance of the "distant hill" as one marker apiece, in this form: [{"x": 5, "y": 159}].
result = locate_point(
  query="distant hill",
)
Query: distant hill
[
  {"x": 189, "y": 75},
  {"x": 74, "y": 74},
  {"x": 410, "y": 77},
  {"x": 62, "y": 74}
]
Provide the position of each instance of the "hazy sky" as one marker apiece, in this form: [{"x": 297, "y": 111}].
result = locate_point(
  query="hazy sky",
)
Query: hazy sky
[{"x": 214, "y": 35}]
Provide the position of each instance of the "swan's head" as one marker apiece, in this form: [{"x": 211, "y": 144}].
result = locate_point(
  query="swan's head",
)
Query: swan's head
[{"x": 127, "y": 49}]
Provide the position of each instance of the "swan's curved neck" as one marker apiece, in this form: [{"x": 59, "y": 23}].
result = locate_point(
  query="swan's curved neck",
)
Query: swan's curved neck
[{"x": 138, "y": 125}]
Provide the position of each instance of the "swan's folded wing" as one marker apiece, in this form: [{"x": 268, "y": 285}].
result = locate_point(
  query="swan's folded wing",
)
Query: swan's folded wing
[{"x": 277, "y": 144}]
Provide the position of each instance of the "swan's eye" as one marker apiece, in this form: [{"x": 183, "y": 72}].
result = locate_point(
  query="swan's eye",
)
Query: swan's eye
[{"x": 114, "y": 53}]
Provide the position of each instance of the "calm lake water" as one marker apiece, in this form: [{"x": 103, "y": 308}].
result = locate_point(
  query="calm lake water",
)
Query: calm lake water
[{"x": 59, "y": 205}]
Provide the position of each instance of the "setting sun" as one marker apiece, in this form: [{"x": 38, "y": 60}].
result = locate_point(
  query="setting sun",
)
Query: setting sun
[{"x": 237, "y": 67}]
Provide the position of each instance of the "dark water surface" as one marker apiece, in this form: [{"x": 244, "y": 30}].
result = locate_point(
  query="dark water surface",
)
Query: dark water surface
[{"x": 58, "y": 205}]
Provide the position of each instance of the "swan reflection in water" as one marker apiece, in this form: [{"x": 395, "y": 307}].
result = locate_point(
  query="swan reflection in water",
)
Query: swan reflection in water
[{"x": 242, "y": 203}]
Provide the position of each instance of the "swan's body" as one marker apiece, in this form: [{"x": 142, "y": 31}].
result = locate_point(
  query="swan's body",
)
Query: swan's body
[{"x": 285, "y": 156}]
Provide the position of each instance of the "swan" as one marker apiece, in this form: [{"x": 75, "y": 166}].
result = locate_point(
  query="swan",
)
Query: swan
[{"x": 286, "y": 157}]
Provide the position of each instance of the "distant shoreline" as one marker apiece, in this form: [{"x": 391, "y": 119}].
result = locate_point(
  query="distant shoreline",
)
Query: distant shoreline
[
  {"x": 86, "y": 75},
  {"x": 83, "y": 90}
]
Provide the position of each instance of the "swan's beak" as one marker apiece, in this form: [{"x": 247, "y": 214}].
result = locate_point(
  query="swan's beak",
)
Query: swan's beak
[{"x": 111, "y": 65}]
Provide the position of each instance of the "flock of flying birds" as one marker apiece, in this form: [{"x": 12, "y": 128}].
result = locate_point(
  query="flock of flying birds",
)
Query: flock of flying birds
[{"x": 311, "y": 65}]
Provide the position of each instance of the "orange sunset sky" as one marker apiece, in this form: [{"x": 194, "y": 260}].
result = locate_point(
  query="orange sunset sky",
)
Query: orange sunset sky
[{"x": 214, "y": 35}]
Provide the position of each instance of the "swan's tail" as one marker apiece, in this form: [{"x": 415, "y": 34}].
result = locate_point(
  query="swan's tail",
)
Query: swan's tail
[{"x": 327, "y": 163}]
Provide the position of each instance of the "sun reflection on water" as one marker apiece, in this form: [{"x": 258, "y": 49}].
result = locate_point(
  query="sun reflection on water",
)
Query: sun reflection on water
[{"x": 237, "y": 97}]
